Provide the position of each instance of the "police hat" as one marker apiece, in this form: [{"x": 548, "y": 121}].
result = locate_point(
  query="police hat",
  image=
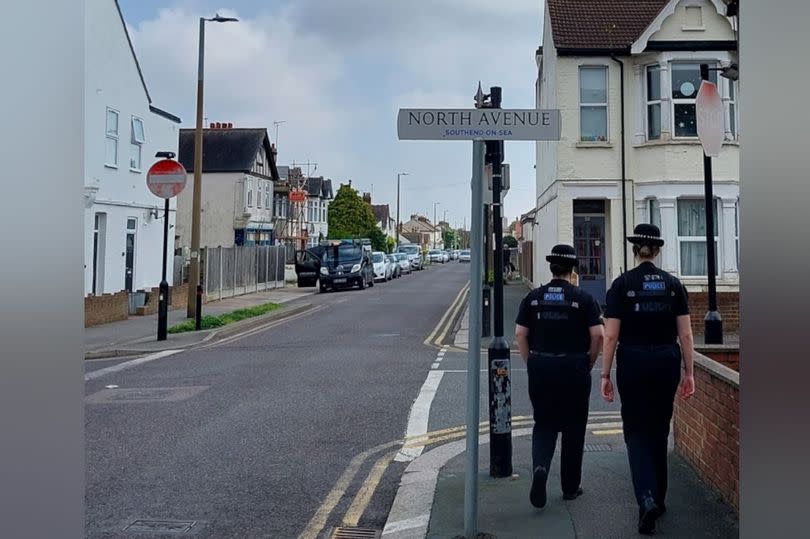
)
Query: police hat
[
  {"x": 563, "y": 254},
  {"x": 645, "y": 233}
]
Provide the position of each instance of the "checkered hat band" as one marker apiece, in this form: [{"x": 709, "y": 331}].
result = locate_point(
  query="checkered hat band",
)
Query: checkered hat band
[
  {"x": 645, "y": 237},
  {"x": 563, "y": 256}
]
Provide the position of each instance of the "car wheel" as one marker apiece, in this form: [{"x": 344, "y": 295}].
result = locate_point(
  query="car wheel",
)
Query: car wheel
[{"x": 323, "y": 289}]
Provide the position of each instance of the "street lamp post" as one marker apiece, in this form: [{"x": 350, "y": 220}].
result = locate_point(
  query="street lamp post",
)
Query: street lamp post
[
  {"x": 434, "y": 223},
  {"x": 399, "y": 174},
  {"x": 194, "y": 288},
  {"x": 276, "y": 124}
]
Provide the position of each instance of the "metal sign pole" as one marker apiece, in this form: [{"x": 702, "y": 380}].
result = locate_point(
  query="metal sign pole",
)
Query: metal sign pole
[{"x": 474, "y": 344}]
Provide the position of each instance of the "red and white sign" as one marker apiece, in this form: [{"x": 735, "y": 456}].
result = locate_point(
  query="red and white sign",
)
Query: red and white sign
[
  {"x": 710, "y": 115},
  {"x": 166, "y": 178},
  {"x": 298, "y": 195}
]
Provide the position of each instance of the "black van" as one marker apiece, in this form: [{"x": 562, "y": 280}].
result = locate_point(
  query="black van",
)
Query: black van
[{"x": 342, "y": 265}]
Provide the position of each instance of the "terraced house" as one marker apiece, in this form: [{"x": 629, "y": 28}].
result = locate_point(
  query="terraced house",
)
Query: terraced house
[{"x": 625, "y": 74}]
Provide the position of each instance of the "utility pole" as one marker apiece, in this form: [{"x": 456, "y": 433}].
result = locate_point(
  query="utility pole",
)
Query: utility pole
[
  {"x": 500, "y": 394},
  {"x": 399, "y": 224},
  {"x": 435, "y": 224}
]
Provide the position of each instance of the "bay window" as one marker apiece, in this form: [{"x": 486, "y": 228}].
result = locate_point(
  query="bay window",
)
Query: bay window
[
  {"x": 685, "y": 85},
  {"x": 653, "y": 102},
  {"x": 692, "y": 237},
  {"x": 654, "y": 211},
  {"x": 593, "y": 110},
  {"x": 250, "y": 193}
]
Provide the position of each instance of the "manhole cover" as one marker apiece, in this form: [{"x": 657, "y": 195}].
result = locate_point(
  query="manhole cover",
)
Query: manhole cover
[
  {"x": 161, "y": 526},
  {"x": 598, "y": 447},
  {"x": 151, "y": 394},
  {"x": 348, "y": 532}
]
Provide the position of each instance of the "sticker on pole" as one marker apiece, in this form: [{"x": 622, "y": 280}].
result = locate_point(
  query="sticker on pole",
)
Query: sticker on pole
[
  {"x": 711, "y": 129},
  {"x": 166, "y": 178}
]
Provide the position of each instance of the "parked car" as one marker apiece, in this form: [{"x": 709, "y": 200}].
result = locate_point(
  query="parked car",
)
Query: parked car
[
  {"x": 382, "y": 266},
  {"x": 446, "y": 255},
  {"x": 435, "y": 255},
  {"x": 454, "y": 254},
  {"x": 464, "y": 255},
  {"x": 414, "y": 253},
  {"x": 404, "y": 262},
  {"x": 345, "y": 265},
  {"x": 396, "y": 271}
]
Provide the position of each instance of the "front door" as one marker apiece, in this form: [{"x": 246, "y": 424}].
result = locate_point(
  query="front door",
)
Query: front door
[
  {"x": 129, "y": 256},
  {"x": 589, "y": 241}
]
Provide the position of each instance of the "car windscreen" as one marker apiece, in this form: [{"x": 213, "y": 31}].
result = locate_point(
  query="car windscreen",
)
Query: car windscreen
[
  {"x": 343, "y": 254},
  {"x": 409, "y": 250},
  {"x": 377, "y": 258}
]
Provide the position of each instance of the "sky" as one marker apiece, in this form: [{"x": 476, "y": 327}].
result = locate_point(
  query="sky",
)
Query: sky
[{"x": 336, "y": 72}]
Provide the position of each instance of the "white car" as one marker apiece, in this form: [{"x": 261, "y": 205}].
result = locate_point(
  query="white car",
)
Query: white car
[
  {"x": 404, "y": 262},
  {"x": 464, "y": 256},
  {"x": 435, "y": 255},
  {"x": 382, "y": 266},
  {"x": 446, "y": 255}
]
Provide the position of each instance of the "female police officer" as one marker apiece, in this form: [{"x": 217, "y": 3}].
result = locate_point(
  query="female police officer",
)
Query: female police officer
[
  {"x": 647, "y": 313},
  {"x": 559, "y": 333}
]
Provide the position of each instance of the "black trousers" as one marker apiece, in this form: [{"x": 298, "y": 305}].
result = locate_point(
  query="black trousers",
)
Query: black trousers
[
  {"x": 647, "y": 378},
  {"x": 559, "y": 390}
]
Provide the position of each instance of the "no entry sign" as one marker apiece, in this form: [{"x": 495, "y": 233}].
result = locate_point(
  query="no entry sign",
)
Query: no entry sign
[
  {"x": 710, "y": 114},
  {"x": 166, "y": 178}
]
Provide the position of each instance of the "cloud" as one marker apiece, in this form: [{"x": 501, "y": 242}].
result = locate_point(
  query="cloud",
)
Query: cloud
[{"x": 337, "y": 72}]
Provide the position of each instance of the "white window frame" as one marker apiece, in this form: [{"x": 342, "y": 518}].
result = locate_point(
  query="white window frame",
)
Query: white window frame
[
  {"x": 654, "y": 208},
  {"x": 111, "y": 135},
  {"x": 136, "y": 143},
  {"x": 648, "y": 103},
  {"x": 691, "y": 101},
  {"x": 260, "y": 194},
  {"x": 737, "y": 231},
  {"x": 249, "y": 197},
  {"x": 606, "y": 70},
  {"x": 733, "y": 114},
  {"x": 267, "y": 192},
  {"x": 700, "y": 239}
]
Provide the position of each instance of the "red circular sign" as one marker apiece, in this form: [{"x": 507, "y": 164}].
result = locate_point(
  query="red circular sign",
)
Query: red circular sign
[{"x": 166, "y": 178}]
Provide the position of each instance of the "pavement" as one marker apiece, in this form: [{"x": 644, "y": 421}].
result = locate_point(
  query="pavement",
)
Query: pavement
[
  {"x": 138, "y": 334},
  {"x": 430, "y": 499}
]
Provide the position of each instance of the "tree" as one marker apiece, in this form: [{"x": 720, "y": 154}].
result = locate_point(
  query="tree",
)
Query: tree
[
  {"x": 450, "y": 239},
  {"x": 351, "y": 217},
  {"x": 390, "y": 244},
  {"x": 510, "y": 241}
]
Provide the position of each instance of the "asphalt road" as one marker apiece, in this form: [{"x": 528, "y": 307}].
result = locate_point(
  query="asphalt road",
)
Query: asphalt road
[{"x": 262, "y": 428}]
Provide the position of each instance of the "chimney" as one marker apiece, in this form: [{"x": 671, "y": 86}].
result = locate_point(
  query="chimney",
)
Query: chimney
[
  {"x": 212, "y": 126},
  {"x": 230, "y": 125},
  {"x": 367, "y": 197}
]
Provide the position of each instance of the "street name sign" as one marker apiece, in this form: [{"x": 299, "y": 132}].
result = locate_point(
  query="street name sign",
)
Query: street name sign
[
  {"x": 478, "y": 124},
  {"x": 710, "y": 116},
  {"x": 166, "y": 178}
]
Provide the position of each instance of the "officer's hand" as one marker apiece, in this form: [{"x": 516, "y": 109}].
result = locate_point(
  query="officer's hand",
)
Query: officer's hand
[
  {"x": 607, "y": 389},
  {"x": 687, "y": 387}
]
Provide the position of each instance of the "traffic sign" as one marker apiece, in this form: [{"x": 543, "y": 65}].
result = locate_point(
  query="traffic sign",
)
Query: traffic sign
[
  {"x": 478, "y": 124},
  {"x": 710, "y": 117},
  {"x": 166, "y": 178}
]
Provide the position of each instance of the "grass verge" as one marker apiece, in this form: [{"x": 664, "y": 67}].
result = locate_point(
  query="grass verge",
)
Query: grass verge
[{"x": 211, "y": 322}]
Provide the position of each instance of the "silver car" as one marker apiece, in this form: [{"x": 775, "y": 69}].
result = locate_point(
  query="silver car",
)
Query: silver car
[{"x": 403, "y": 261}]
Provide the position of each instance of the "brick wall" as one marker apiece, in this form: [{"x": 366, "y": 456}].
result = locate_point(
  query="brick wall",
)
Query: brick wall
[
  {"x": 706, "y": 428},
  {"x": 105, "y": 308},
  {"x": 728, "y": 303},
  {"x": 177, "y": 294},
  {"x": 727, "y": 356}
]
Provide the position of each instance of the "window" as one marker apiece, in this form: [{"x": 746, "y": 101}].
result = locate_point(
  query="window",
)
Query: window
[
  {"x": 268, "y": 189},
  {"x": 654, "y": 212},
  {"x": 136, "y": 144},
  {"x": 111, "y": 142},
  {"x": 732, "y": 108},
  {"x": 685, "y": 84},
  {"x": 593, "y": 104},
  {"x": 653, "y": 102},
  {"x": 737, "y": 231},
  {"x": 259, "y": 195},
  {"x": 692, "y": 237},
  {"x": 250, "y": 193}
]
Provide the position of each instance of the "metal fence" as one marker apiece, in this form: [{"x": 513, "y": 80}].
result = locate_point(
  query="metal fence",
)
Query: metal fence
[{"x": 234, "y": 271}]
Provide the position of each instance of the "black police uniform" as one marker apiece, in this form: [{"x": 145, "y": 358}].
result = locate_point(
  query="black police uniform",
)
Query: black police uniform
[
  {"x": 559, "y": 316},
  {"x": 647, "y": 300}
]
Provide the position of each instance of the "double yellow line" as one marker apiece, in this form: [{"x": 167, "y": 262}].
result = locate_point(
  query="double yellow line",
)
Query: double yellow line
[
  {"x": 366, "y": 491},
  {"x": 441, "y": 330}
]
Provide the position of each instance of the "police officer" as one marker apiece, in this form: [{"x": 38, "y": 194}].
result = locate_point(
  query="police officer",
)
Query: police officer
[
  {"x": 559, "y": 332},
  {"x": 647, "y": 314}
]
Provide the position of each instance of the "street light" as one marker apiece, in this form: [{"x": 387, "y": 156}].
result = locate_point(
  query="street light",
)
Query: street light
[
  {"x": 194, "y": 288},
  {"x": 434, "y": 223},
  {"x": 399, "y": 174},
  {"x": 277, "y": 123}
]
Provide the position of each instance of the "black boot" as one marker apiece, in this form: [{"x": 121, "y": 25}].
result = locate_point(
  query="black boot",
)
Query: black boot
[
  {"x": 647, "y": 514},
  {"x": 573, "y": 495},
  {"x": 537, "y": 495}
]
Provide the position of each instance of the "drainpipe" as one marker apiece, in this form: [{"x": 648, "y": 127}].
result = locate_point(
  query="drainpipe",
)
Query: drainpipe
[{"x": 624, "y": 176}]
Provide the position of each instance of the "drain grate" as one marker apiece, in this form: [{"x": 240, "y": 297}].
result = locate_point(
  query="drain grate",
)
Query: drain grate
[
  {"x": 161, "y": 526},
  {"x": 350, "y": 532},
  {"x": 598, "y": 447}
]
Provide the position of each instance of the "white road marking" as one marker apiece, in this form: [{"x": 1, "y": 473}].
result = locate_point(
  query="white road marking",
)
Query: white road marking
[
  {"x": 420, "y": 413},
  {"x": 434, "y": 366},
  {"x": 128, "y": 364}
]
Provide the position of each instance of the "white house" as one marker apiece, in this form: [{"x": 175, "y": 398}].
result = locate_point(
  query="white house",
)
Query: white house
[
  {"x": 616, "y": 67},
  {"x": 123, "y": 131},
  {"x": 238, "y": 176},
  {"x": 319, "y": 194}
]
